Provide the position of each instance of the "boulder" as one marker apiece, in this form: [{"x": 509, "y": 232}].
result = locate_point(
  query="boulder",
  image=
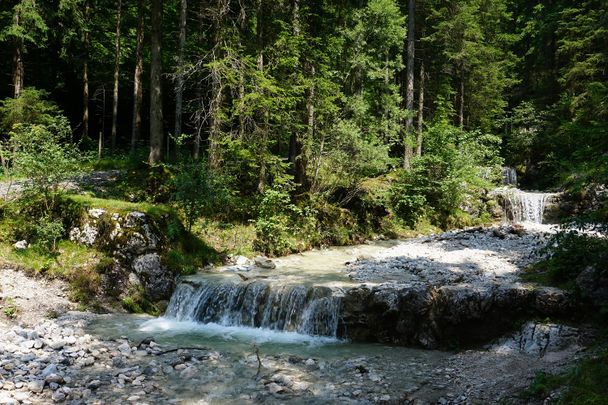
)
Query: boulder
[
  {"x": 134, "y": 242},
  {"x": 157, "y": 280},
  {"x": 21, "y": 245},
  {"x": 539, "y": 339}
]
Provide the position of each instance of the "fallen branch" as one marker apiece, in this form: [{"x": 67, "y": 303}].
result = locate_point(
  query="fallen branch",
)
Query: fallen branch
[
  {"x": 256, "y": 348},
  {"x": 181, "y": 348}
]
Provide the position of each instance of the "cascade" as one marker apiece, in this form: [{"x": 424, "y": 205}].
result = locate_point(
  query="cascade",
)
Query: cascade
[
  {"x": 524, "y": 206},
  {"x": 509, "y": 176},
  {"x": 291, "y": 308}
]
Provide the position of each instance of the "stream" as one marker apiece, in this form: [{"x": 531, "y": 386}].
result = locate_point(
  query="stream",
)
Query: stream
[{"x": 327, "y": 326}]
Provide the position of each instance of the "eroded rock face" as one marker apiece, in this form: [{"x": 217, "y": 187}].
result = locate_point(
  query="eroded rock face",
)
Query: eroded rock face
[
  {"x": 427, "y": 316},
  {"x": 456, "y": 287},
  {"x": 135, "y": 243},
  {"x": 157, "y": 280},
  {"x": 539, "y": 339}
]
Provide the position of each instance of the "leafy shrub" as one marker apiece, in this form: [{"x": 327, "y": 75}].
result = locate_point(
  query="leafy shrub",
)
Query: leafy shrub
[
  {"x": 571, "y": 252},
  {"x": 196, "y": 191},
  {"x": 456, "y": 166},
  {"x": 48, "y": 231},
  {"x": 280, "y": 222}
]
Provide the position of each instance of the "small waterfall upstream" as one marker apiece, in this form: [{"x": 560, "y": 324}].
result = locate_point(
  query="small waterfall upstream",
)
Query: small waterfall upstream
[{"x": 289, "y": 308}]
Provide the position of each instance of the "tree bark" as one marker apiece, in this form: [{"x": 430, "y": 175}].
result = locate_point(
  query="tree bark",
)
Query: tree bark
[
  {"x": 217, "y": 90},
  {"x": 138, "y": 88},
  {"x": 85, "y": 74},
  {"x": 420, "y": 109},
  {"x": 18, "y": 71},
  {"x": 196, "y": 152},
  {"x": 179, "y": 88},
  {"x": 116, "y": 75},
  {"x": 156, "y": 101},
  {"x": 264, "y": 114},
  {"x": 461, "y": 103},
  {"x": 409, "y": 93}
]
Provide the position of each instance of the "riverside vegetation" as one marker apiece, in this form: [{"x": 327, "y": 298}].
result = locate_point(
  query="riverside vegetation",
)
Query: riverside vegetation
[{"x": 273, "y": 128}]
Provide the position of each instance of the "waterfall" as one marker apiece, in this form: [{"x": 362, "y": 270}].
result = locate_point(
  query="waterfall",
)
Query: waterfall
[
  {"x": 523, "y": 206},
  {"x": 509, "y": 176},
  {"x": 292, "y": 308}
]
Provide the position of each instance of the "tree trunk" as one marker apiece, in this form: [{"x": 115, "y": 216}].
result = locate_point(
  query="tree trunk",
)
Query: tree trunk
[
  {"x": 156, "y": 101},
  {"x": 217, "y": 91},
  {"x": 461, "y": 106},
  {"x": 138, "y": 88},
  {"x": 264, "y": 114},
  {"x": 18, "y": 71},
  {"x": 116, "y": 75},
  {"x": 420, "y": 109},
  {"x": 409, "y": 93},
  {"x": 196, "y": 152},
  {"x": 85, "y": 74},
  {"x": 179, "y": 89},
  {"x": 85, "y": 98}
]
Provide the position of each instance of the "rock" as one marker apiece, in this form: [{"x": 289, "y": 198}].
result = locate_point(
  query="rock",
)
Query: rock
[
  {"x": 241, "y": 260},
  {"x": 593, "y": 285},
  {"x": 188, "y": 373},
  {"x": 539, "y": 339},
  {"x": 124, "y": 348},
  {"x": 85, "y": 236},
  {"x": 36, "y": 386},
  {"x": 53, "y": 378},
  {"x": 57, "y": 345},
  {"x": 6, "y": 399},
  {"x": 158, "y": 281},
  {"x": 310, "y": 362},
  {"x": 58, "y": 396},
  {"x": 48, "y": 370},
  {"x": 96, "y": 213},
  {"x": 275, "y": 388},
  {"x": 21, "y": 245},
  {"x": 264, "y": 262},
  {"x": 22, "y": 396},
  {"x": 93, "y": 385},
  {"x": 133, "y": 398}
]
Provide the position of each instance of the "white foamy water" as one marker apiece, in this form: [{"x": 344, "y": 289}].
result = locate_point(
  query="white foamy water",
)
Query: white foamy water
[{"x": 171, "y": 327}]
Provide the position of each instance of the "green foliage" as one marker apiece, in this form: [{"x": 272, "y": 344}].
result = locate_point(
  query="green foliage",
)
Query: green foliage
[
  {"x": 48, "y": 232},
  {"x": 583, "y": 384},
  {"x": 137, "y": 303},
  {"x": 196, "y": 191},
  {"x": 280, "y": 222},
  {"x": 28, "y": 24},
  {"x": 542, "y": 386},
  {"x": 38, "y": 148},
  {"x": 10, "y": 308},
  {"x": 569, "y": 253},
  {"x": 32, "y": 107},
  {"x": 457, "y": 167}
]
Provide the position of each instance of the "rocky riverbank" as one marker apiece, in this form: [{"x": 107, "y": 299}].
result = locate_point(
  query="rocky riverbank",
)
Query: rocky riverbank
[{"x": 51, "y": 354}]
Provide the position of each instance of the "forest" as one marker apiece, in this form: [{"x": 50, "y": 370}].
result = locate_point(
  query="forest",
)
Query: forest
[{"x": 256, "y": 128}]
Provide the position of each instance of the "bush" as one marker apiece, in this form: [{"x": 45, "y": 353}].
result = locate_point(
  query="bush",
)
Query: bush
[
  {"x": 196, "y": 191},
  {"x": 571, "y": 252},
  {"x": 280, "y": 222},
  {"x": 455, "y": 169},
  {"x": 37, "y": 147},
  {"x": 48, "y": 231}
]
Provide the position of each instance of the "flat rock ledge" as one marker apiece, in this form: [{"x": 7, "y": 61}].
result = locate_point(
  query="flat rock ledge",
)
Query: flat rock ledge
[{"x": 458, "y": 287}]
